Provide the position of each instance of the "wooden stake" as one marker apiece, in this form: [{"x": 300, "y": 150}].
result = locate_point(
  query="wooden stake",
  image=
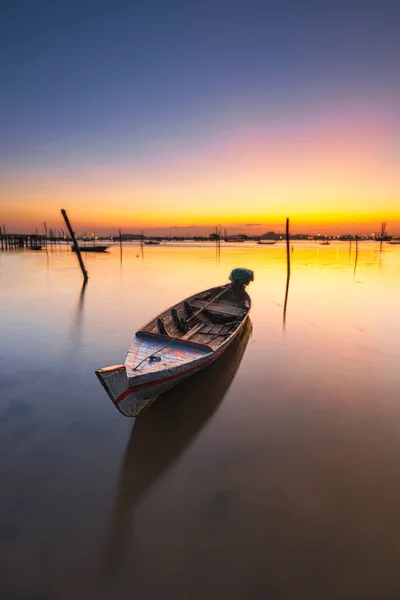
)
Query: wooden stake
[
  {"x": 355, "y": 262},
  {"x": 287, "y": 247},
  {"x": 288, "y": 272},
  {"x": 78, "y": 252}
]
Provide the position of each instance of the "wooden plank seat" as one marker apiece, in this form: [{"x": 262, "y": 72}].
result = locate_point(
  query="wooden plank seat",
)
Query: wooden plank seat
[
  {"x": 160, "y": 328},
  {"x": 218, "y": 309},
  {"x": 192, "y": 331}
]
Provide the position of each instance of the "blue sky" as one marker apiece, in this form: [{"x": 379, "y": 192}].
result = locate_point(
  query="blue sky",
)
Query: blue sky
[
  {"x": 76, "y": 75},
  {"x": 114, "y": 82}
]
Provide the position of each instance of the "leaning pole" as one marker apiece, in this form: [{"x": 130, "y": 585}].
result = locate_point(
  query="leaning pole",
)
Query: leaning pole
[{"x": 77, "y": 251}]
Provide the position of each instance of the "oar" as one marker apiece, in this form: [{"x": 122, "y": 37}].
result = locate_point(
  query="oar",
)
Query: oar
[{"x": 210, "y": 301}]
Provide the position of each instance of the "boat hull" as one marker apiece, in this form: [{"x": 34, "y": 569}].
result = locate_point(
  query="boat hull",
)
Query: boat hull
[
  {"x": 91, "y": 248},
  {"x": 133, "y": 396}
]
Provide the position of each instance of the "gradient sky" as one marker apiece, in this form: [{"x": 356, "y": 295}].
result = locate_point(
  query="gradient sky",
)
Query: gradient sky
[{"x": 176, "y": 113}]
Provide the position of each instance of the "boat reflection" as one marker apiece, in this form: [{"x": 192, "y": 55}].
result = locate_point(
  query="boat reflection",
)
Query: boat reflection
[{"x": 160, "y": 436}]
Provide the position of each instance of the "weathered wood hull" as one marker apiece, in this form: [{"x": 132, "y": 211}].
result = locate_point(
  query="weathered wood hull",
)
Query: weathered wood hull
[
  {"x": 133, "y": 386},
  {"x": 131, "y": 396}
]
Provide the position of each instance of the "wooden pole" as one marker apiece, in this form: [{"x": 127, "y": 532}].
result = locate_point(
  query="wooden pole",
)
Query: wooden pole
[
  {"x": 287, "y": 247},
  {"x": 216, "y": 243},
  {"x": 383, "y": 233},
  {"x": 120, "y": 245},
  {"x": 355, "y": 262},
  {"x": 45, "y": 233},
  {"x": 288, "y": 272},
  {"x": 78, "y": 252}
]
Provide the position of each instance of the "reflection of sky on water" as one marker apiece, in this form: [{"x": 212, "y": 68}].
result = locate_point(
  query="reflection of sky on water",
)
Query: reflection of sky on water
[{"x": 292, "y": 483}]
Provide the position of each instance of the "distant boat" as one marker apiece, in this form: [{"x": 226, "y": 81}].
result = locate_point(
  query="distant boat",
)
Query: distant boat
[
  {"x": 267, "y": 243},
  {"x": 180, "y": 341},
  {"x": 325, "y": 243},
  {"x": 394, "y": 242},
  {"x": 236, "y": 240},
  {"x": 36, "y": 247},
  {"x": 151, "y": 242},
  {"x": 91, "y": 248}
]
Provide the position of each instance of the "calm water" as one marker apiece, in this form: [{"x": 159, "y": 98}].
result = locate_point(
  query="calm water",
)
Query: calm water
[{"x": 275, "y": 474}]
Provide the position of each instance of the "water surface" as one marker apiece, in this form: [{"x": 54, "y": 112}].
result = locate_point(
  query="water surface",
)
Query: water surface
[{"x": 273, "y": 474}]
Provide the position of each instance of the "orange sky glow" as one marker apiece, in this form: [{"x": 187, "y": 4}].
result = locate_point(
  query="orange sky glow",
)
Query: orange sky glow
[{"x": 330, "y": 173}]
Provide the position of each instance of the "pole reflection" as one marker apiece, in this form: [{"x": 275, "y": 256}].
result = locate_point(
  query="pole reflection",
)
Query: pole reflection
[
  {"x": 79, "y": 311},
  {"x": 286, "y": 299}
]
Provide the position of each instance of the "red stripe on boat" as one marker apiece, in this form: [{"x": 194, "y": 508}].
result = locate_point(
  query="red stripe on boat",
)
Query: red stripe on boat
[{"x": 154, "y": 382}]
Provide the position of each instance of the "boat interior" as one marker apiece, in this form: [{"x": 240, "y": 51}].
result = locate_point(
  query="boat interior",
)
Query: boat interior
[{"x": 208, "y": 318}]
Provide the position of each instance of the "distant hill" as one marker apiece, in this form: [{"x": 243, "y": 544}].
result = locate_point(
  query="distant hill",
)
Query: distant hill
[{"x": 271, "y": 235}]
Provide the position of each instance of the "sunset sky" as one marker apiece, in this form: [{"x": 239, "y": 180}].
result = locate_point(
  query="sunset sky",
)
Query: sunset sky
[{"x": 163, "y": 115}]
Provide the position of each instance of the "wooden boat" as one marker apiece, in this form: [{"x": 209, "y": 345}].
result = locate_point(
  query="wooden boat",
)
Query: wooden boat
[
  {"x": 36, "y": 248},
  {"x": 326, "y": 243},
  {"x": 267, "y": 243},
  {"x": 179, "y": 342},
  {"x": 91, "y": 248},
  {"x": 394, "y": 242},
  {"x": 151, "y": 242}
]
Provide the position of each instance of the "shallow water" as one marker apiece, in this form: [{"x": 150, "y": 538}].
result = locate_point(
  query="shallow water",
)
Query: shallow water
[{"x": 273, "y": 474}]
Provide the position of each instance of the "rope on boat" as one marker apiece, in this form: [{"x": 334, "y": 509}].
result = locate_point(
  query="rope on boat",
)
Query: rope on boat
[{"x": 156, "y": 352}]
